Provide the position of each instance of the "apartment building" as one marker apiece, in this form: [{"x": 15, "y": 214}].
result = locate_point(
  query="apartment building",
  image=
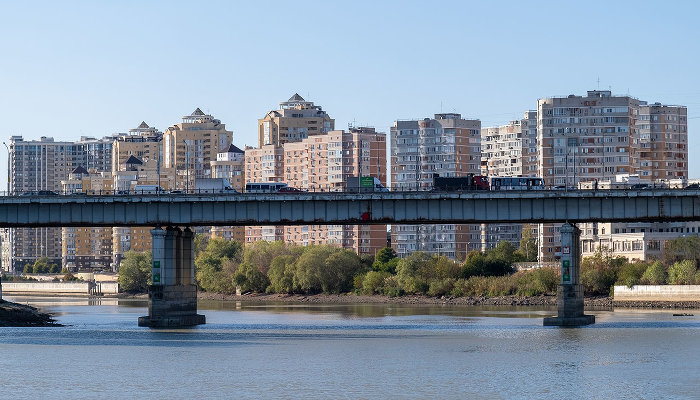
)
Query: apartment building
[
  {"x": 598, "y": 136},
  {"x": 37, "y": 165},
  {"x": 508, "y": 151},
  {"x": 296, "y": 120},
  {"x": 190, "y": 147},
  {"x": 143, "y": 142},
  {"x": 87, "y": 248},
  {"x": 449, "y": 146},
  {"x": 322, "y": 163}
]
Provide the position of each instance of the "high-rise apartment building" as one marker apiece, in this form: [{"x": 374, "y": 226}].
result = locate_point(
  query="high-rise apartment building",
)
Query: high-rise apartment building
[
  {"x": 190, "y": 147},
  {"x": 143, "y": 142},
  {"x": 448, "y": 146},
  {"x": 37, "y": 165},
  {"x": 322, "y": 163},
  {"x": 508, "y": 151},
  {"x": 297, "y": 119},
  {"x": 598, "y": 136}
]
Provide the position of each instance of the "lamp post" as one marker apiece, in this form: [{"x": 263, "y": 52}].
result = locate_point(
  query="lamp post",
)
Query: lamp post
[
  {"x": 187, "y": 167},
  {"x": 8, "y": 167}
]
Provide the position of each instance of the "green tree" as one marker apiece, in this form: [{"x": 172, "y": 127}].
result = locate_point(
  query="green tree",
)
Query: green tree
[
  {"x": 493, "y": 264},
  {"x": 599, "y": 272},
  {"x": 262, "y": 253},
  {"x": 43, "y": 266},
  {"x": 309, "y": 266},
  {"x": 250, "y": 278},
  {"x": 200, "y": 244},
  {"x": 682, "y": 273},
  {"x": 630, "y": 274},
  {"x": 682, "y": 248},
  {"x": 504, "y": 251},
  {"x": 385, "y": 260},
  {"x": 656, "y": 274},
  {"x": 217, "y": 264},
  {"x": 135, "y": 271},
  {"x": 281, "y": 274},
  {"x": 527, "y": 251},
  {"x": 408, "y": 272},
  {"x": 340, "y": 267}
]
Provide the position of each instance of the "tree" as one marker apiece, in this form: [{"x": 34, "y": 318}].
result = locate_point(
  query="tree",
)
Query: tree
[
  {"x": 309, "y": 266},
  {"x": 682, "y": 273},
  {"x": 249, "y": 278},
  {"x": 340, "y": 267},
  {"x": 682, "y": 248},
  {"x": 493, "y": 264},
  {"x": 527, "y": 251},
  {"x": 281, "y": 274},
  {"x": 599, "y": 272},
  {"x": 656, "y": 274},
  {"x": 408, "y": 272},
  {"x": 385, "y": 260},
  {"x": 135, "y": 271},
  {"x": 43, "y": 266},
  {"x": 217, "y": 264}
]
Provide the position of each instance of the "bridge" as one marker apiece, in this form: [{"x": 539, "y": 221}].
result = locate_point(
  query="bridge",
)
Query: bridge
[
  {"x": 334, "y": 208},
  {"x": 173, "y": 295}
]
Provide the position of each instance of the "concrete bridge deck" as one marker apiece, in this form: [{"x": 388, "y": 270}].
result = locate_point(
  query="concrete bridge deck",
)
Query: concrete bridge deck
[{"x": 336, "y": 208}]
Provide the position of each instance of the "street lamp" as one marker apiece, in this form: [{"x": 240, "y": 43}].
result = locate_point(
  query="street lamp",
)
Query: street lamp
[
  {"x": 8, "y": 167},
  {"x": 187, "y": 166}
]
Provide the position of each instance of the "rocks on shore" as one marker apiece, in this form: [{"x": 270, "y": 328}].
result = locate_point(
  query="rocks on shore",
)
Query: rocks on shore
[{"x": 18, "y": 315}]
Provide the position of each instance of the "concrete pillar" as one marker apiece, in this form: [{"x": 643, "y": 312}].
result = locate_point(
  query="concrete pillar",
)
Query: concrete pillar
[
  {"x": 187, "y": 257},
  {"x": 158, "y": 256},
  {"x": 172, "y": 302},
  {"x": 570, "y": 290}
]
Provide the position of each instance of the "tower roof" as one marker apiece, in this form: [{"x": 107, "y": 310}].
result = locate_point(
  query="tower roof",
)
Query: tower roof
[
  {"x": 198, "y": 112},
  {"x": 144, "y": 125},
  {"x": 295, "y": 98},
  {"x": 80, "y": 170},
  {"x": 234, "y": 149},
  {"x": 133, "y": 160}
]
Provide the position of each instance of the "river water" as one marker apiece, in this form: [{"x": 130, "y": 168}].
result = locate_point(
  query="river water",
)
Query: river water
[{"x": 302, "y": 351}]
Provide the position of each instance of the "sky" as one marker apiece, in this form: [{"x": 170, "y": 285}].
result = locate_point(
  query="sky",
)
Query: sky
[{"x": 87, "y": 68}]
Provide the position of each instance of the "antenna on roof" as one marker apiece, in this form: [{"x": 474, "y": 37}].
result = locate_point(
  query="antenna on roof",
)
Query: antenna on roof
[{"x": 598, "y": 83}]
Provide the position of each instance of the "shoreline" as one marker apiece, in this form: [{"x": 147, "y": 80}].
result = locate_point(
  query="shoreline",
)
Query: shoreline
[
  {"x": 349, "y": 298},
  {"x": 20, "y": 315}
]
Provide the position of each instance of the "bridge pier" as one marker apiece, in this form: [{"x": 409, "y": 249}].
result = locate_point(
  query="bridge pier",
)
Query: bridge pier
[
  {"x": 570, "y": 291},
  {"x": 172, "y": 298}
]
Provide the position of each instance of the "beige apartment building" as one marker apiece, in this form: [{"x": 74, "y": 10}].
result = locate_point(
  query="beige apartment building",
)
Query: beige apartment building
[
  {"x": 143, "y": 142},
  {"x": 598, "y": 136},
  {"x": 190, "y": 147},
  {"x": 322, "y": 163},
  {"x": 447, "y": 145},
  {"x": 85, "y": 248},
  {"x": 296, "y": 120}
]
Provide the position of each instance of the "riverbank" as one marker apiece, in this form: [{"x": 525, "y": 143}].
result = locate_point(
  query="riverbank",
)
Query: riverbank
[{"x": 20, "y": 315}]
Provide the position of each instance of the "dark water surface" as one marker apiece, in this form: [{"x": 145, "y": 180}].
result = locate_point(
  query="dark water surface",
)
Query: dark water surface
[{"x": 254, "y": 351}]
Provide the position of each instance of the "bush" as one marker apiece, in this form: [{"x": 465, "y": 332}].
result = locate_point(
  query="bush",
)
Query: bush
[
  {"x": 656, "y": 274},
  {"x": 373, "y": 282},
  {"x": 536, "y": 282},
  {"x": 631, "y": 274},
  {"x": 250, "y": 279},
  {"x": 599, "y": 272},
  {"x": 135, "y": 272},
  {"x": 682, "y": 273},
  {"x": 441, "y": 287}
]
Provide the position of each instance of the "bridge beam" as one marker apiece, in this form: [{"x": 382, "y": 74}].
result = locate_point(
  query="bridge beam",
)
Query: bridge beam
[
  {"x": 172, "y": 298},
  {"x": 570, "y": 291}
]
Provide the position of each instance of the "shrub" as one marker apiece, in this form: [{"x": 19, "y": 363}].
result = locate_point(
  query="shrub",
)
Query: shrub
[
  {"x": 441, "y": 287},
  {"x": 373, "y": 282},
  {"x": 682, "y": 273},
  {"x": 631, "y": 274},
  {"x": 656, "y": 274},
  {"x": 536, "y": 282}
]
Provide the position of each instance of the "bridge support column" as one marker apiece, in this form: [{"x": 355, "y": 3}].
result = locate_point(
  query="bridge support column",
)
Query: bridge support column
[
  {"x": 570, "y": 291},
  {"x": 172, "y": 298}
]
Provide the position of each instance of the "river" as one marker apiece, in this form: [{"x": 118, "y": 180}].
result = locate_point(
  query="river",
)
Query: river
[{"x": 377, "y": 351}]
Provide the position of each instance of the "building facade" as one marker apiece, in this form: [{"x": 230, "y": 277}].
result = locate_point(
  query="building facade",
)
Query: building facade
[
  {"x": 230, "y": 165},
  {"x": 296, "y": 120},
  {"x": 322, "y": 163},
  {"x": 190, "y": 147},
  {"x": 446, "y": 145}
]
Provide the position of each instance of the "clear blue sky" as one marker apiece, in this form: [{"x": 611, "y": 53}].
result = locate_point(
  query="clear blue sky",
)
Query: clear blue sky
[{"x": 72, "y": 68}]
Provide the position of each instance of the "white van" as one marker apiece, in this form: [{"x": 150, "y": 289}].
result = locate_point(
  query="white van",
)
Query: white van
[{"x": 148, "y": 189}]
